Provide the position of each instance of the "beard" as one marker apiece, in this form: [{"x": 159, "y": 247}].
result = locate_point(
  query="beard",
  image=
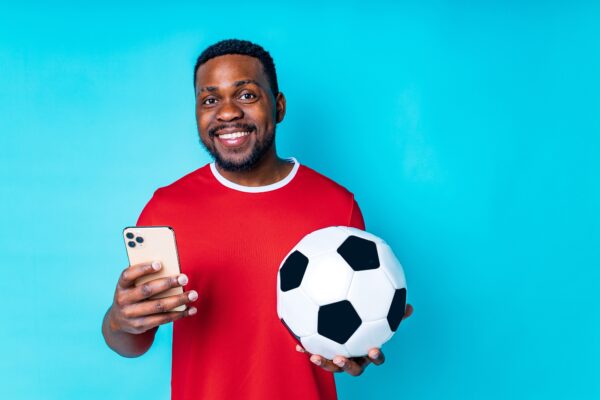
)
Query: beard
[{"x": 259, "y": 149}]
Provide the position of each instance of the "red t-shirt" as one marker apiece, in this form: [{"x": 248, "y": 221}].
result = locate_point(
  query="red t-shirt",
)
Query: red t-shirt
[{"x": 231, "y": 241}]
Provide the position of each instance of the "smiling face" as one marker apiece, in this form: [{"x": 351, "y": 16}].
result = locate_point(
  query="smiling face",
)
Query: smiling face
[{"x": 236, "y": 111}]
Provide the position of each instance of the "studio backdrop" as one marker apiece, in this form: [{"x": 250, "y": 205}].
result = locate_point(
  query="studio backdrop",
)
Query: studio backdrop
[{"x": 469, "y": 134}]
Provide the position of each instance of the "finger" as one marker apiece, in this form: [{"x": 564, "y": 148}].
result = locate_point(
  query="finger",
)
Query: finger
[
  {"x": 324, "y": 363},
  {"x": 150, "y": 288},
  {"x": 130, "y": 274},
  {"x": 300, "y": 349},
  {"x": 144, "y": 324},
  {"x": 408, "y": 311},
  {"x": 352, "y": 367},
  {"x": 376, "y": 356},
  {"x": 149, "y": 307}
]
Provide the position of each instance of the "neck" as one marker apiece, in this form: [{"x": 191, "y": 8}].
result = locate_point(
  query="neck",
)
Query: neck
[{"x": 268, "y": 170}]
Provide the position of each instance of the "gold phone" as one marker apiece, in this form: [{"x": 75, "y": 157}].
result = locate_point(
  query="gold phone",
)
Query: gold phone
[{"x": 146, "y": 244}]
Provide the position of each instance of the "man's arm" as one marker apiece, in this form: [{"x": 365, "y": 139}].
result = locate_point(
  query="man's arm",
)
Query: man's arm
[{"x": 131, "y": 322}]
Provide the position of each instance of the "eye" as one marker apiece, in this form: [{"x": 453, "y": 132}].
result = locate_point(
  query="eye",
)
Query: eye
[
  {"x": 209, "y": 101},
  {"x": 247, "y": 96}
]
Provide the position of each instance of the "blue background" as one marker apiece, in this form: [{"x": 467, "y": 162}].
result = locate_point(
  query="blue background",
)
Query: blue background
[{"x": 468, "y": 132}]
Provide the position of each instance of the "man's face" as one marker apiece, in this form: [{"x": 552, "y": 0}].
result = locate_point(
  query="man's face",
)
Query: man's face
[{"x": 236, "y": 111}]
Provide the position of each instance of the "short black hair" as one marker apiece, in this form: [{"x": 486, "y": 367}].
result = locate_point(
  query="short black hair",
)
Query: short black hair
[{"x": 243, "y": 47}]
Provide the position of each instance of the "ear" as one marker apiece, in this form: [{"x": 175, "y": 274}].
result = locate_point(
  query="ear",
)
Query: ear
[{"x": 279, "y": 107}]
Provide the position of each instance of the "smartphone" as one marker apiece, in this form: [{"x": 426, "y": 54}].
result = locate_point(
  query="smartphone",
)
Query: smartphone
[{"x": 146, "y": 244}]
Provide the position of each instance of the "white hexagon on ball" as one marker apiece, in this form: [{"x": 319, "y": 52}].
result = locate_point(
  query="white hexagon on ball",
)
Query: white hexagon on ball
[
  {"x": 391, "y": 265},
  {"x": 322, "y": 241},
  {"x": 327, "y": 278},
  {"x": 371, "y": 294},
  {"x": 317, "y": 344},
  {"x": 368, "y": 336},
  {"x": 298, "y": 312}
]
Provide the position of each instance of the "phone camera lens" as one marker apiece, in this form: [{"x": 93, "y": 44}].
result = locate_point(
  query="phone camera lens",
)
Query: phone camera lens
[
  {"x": 131, "y": 243},
  {"x": 139, "y": 239},
  {"x": 129, "y": 235}
]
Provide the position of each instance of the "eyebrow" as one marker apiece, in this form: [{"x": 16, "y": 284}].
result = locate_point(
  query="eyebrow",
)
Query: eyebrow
[{"x": 235, "y": 84}]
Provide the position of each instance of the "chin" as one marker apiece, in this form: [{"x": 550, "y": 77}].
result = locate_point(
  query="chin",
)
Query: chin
[
  {"x": 241, "y": 159},
  {"x": 237, "y": 163}
]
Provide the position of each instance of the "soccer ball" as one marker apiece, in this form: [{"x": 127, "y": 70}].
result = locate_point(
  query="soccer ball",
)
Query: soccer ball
[{"x": 341, "y": 291}]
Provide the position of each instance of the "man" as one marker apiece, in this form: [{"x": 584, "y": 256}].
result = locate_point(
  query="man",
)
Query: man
[{"x": 235, "y": 220}]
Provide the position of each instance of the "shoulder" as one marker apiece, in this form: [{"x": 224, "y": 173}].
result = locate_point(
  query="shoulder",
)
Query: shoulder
[
  {"x": 324, "y": 192},
  {"x": 327, "y": 199},
  {"x": 183, "y": 188},
  {"x": 309, "y": 176},
  {"x": 175, "y": 196},
  {"x": 183, "y": 185}
]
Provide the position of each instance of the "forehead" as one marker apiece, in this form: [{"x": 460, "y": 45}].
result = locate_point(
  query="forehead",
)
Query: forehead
[{"x": 224, "y": 70}]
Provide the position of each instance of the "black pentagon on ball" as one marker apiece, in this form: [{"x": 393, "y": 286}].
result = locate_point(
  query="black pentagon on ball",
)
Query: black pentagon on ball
[
  {"x": 359, "y": 253},
  {"x": 338, "y": 321},
  {"x": 397, "y": 309},
  {"x": 292, "y": 271}
]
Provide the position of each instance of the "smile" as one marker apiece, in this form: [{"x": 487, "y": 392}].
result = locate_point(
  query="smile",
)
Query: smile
[
  {"x": 233, "y": 135},
  {"x": 235, "y": 139}
]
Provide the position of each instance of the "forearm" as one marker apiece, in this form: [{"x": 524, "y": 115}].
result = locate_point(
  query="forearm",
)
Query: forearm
[{"x": 126, "y": 344}]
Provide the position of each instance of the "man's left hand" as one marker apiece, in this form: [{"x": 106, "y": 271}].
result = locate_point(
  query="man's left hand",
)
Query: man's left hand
[{"x": 355, "y": 365}]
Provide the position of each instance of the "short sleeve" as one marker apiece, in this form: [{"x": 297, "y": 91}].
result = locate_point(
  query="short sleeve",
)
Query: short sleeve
[
  {"x": 147, "y": 215},
  {"x": 356, "y": 217}
]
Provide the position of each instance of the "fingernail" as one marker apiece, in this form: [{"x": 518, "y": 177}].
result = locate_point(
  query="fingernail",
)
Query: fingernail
[
  {"x": 299, "y": 349},
  {"x": 156, "y": 265},
  {"x": 193, "y": 295},
  {"x": 315, "y": 360},
  {"x": 182, "y": 279},
  {"x": 375, "y": 355},
  {"x": 192, "y": 311},
  {"x": 339, "y": 363}
]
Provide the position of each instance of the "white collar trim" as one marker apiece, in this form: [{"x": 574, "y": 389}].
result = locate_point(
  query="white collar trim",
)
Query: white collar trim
[{"x": 256, "y": 189}]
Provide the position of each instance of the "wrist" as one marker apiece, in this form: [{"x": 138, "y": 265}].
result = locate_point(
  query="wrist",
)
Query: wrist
[{"x": 113, "y": 325}]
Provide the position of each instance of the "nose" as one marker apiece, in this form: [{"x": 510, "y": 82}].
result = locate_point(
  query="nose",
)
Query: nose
[{"x": 229, "y": 111}]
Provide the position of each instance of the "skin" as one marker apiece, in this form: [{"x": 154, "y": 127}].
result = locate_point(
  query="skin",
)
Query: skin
[
  {"x": 131, "y": 322},
  {"x": 231, "y": 90}
]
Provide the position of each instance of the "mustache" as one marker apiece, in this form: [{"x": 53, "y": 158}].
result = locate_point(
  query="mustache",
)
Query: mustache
[{"x": 245, "y": 127}]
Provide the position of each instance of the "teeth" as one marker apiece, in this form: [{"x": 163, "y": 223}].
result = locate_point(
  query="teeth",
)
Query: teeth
[{"x": 233, "y": 135}]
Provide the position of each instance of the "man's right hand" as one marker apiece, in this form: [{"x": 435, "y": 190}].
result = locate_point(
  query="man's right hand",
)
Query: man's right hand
[{"x": 133, "y": 312}]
